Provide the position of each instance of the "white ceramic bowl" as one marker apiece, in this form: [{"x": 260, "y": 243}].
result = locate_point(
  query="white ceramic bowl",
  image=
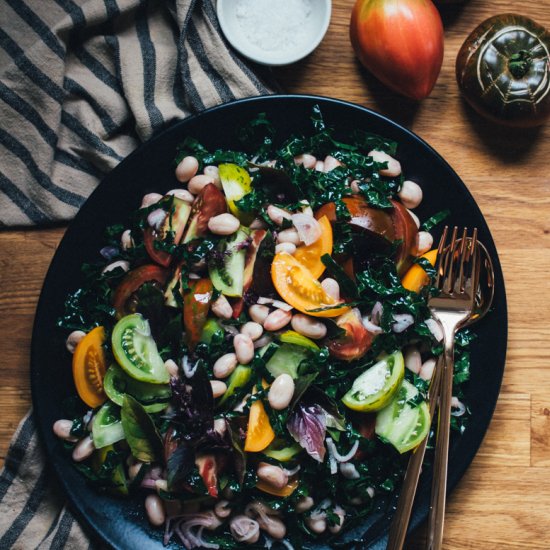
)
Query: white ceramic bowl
[{"x": 265, "y": 43}]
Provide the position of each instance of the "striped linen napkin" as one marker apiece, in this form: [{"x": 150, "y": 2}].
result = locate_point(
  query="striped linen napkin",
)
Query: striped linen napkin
[{"x": 82, "y": 84}]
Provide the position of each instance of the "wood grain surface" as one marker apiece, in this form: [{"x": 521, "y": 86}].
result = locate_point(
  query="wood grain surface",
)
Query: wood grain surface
[{"x": 503, "y": 500}]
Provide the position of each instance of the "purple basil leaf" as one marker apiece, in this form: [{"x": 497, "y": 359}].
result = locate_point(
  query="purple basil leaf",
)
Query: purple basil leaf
[{"x": 308, "y": 427}]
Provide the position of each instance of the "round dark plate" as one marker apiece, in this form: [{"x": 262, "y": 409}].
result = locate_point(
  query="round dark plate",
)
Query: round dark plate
[{"x": 121, "y": 523}]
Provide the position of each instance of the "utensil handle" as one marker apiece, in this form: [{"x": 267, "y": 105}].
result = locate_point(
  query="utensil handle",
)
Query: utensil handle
[
  {"x": 401, "y": 518},
  {"x": 436, "y": 519}
]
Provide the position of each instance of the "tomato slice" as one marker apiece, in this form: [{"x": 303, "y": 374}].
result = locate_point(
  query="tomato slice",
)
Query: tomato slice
[
  {"x": 416, "y": 278},
  {"x": 300, "y": 289},
  {"x": 89, "y": 367},
  {"x": 196, "y": 304},
  {"x": 209, "y": 203},
  {"x": 355, "y": 342},
  {"x": 406, "y": 230},
  {"x": 174, "y": 222},
  {"x": 310, "y": 255},
  {"x": 131, "y": 283},
  {"x": 286, "y": 491},
  {"x": 259, "y": 433}
]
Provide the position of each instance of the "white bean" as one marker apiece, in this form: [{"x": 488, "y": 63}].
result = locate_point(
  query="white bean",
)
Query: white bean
[
  {"x": 306, "y": 160},
  {"x": 161, "y": 485},
  {"x": 62, "y": 429},
  {"x": 316, "y": 525},
  {"x": 427, "y": 369},
  {"x": 288, "y": 236},
  {"x": 182, "y": 194},
  {"x": 330, "y": 163},
  {"x": 258, "y": 313},
  {"x": 155, "y": 510},
  {"x": 126, "y": 241},
  {"x": 244, "y": 348},
  {"x": 214, "y": 173},
  {"x": 410, "y": 194},
  {"x": 354, "y": 186},
  {"x": 341, "y": 516},
  {"x": 252, "y": 329},
  {"x": 274, "y": 527},
  {"x": 198, "y": 183},
  {"x": 224, "y": 224},
  {"x": 122, "y": 264},
  {"x": 84, "y": 448},
  {"x": 394, "y": 167},
  {"x": 320, "y": 166},
  {"x": 273, "y": 475},
  {"x": 277, "y": 215},
  {"x": 413, "y": 361},
  {"x": 304, "y": 504},
  {"x": 225, "y": 365},
  {"x": 222, "y": 308},
  {"x": 218, "y": 388},
  {"x": 289, "y": 248},
  {"x": 331, "y": 287},
  {"x": 172, "y": 368},
  {"x": 186, "y": 169},
  {"x": 220, "y": 425},
  {"x": 281, "y": 392},
  {"x": 149, "y": 199},
  {"x": 277, "y": 319},
  {"x": 414, "y": 217},
  {"x": 74, "y": 339},
  {"x": 309, "y": 326},
  {"x": 424, "y": 242}
]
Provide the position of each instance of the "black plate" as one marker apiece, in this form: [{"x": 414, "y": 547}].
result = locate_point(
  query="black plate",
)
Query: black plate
[{"x": 121, "y": 523}]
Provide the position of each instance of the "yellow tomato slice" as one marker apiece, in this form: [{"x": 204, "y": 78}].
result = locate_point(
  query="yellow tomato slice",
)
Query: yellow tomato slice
[
  {"x": 286, "y": 491},
  {"x": 310, "y": 256},
  {"x": 259, "y": 433},
  {"x": 415, "y": 277},
  {"x": 300, "y": 289},
  {"x": 89, "y": 368}
]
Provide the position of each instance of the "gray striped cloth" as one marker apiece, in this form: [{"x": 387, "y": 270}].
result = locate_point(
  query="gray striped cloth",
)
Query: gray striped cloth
[{"x": 82, "y": 84}]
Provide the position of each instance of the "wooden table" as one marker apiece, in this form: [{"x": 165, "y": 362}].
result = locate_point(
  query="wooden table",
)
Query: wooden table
[{"x": 503, "y": 500}]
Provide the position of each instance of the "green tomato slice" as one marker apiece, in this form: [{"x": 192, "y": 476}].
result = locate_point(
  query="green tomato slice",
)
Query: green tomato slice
[
  {"x": 239, "y": 378},
  {"x": 107, "y": 426},
  {"x": 374, "y": 389},
  {"x": 293, "y": 337},
  {"x": 153, "y": 397},
  {"x": 282, "y": 451},
  {"x": 401, "y": 423},
  {"x": 136, "y": 351},
  {"x": 286, "y": 360}
]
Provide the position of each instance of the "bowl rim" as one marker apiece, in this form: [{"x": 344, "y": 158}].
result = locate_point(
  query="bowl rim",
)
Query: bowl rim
[{"x": 241, "y": 45}]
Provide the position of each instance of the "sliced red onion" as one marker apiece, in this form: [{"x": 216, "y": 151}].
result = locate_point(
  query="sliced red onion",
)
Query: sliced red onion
[
  {"x": 458, "y": 406},
  {"x": 188, "y": 369},
  {"x": 309, "y": 229},
  {"x": 341, "y": 458},
  {"x": 292, "y": 472},
  {"x": 279, "y": 304},
  {"x": 370, "y": 326},
  {"x": 156, "y": 218},
  {"x": 402, "y": 321},
  {"x": 263, "y": 341},
  {"x": 263, "y": 301},
  {"x": 231, "y": 329},
  {"x": 286, "y": 544},
  {"x": 435, "y": 329},
  {"x": 244, "y": 528}
]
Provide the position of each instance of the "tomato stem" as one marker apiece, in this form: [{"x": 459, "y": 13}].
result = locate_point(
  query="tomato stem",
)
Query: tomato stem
[{"x": 519, "y": 63}]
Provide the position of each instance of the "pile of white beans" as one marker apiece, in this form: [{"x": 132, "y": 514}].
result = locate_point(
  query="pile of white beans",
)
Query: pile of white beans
[{"x": 268, "y": 316}]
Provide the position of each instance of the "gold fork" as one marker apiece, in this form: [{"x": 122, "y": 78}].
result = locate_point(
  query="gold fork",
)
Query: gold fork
[{"x": 457, "y": 279}]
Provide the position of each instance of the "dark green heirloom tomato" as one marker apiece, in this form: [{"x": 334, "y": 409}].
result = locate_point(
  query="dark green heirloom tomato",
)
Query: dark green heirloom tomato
[{"x": 503, "y": 70}]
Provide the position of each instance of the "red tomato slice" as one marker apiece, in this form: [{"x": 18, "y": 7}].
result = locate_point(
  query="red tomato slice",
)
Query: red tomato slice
[
  {"x": 196, "y": 304},
  {"x": 131, "y": 283}
]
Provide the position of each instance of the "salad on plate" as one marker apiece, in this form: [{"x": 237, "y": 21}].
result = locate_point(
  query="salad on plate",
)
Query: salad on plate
[{"x": 253, "y": 351}]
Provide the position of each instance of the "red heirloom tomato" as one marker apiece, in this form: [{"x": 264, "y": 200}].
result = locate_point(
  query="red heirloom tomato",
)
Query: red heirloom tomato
[{"x": 400, "y": 42}]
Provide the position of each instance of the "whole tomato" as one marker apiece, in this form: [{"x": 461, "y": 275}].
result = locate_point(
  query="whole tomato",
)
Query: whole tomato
[{"x": 400, "y": 42}]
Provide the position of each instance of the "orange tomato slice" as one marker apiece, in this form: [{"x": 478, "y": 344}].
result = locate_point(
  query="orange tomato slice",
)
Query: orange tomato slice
[
  {"x": 89, "y": 368},
  {"x": 286, "y": 491},
  {"x": 415, "y": 277},
  {"x": 259, "y": 433},
  {"x": 300, "y": 289},
  {"x": 310, "y": 256}
]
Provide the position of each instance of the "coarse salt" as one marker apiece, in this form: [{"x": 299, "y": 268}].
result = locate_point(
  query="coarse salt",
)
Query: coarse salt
[{"x": 275, "y": 25}]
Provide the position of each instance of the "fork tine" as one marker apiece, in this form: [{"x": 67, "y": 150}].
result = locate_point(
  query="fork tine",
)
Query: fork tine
[
  {"x": 440, "y": 257},
  {"x": 465, "y": 254},
  {"x": 449, "y": 276}
]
